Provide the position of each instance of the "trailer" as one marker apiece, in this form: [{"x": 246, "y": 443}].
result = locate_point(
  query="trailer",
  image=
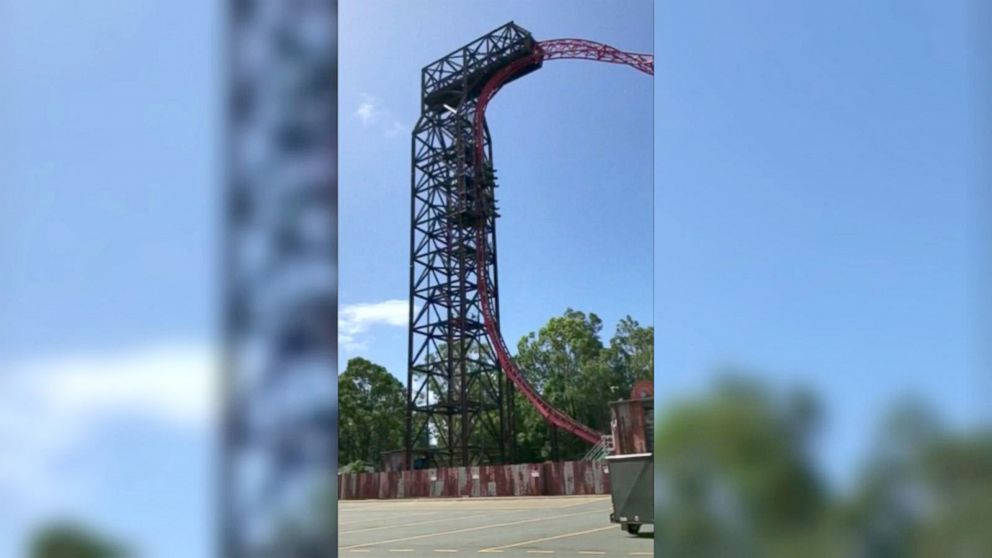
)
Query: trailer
[
  {"x": 632, "y": 490},
  {"x": 631, "y": 464}
]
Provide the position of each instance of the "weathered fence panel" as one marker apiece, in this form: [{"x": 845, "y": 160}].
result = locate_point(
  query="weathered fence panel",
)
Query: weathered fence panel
[
  {"x": 576, "y": 478},
  {"x": 529, "y": 479}
]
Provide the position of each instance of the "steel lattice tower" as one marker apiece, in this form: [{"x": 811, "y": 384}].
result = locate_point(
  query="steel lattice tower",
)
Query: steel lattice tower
[
  {"x": 280, "y": 391},
  {"x": 459, "y": 404}
]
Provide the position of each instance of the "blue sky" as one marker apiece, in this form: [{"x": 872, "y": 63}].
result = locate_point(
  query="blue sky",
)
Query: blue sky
[
  {"x": 815, "y": 218},
  {"x": 108, "y": 136}
]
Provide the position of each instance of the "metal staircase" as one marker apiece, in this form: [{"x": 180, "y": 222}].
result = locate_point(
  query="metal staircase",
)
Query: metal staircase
[{"x": 599, "y": 451}]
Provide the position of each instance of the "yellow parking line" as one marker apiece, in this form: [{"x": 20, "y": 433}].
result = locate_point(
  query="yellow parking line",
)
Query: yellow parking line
[
  {"x": 566, "y": 535},
  {"x": 582, "y": 503},
  {"x": 351, "y": 521},
  {"x": 469, "y": 529},
  {"x": 381, "y": 527}
]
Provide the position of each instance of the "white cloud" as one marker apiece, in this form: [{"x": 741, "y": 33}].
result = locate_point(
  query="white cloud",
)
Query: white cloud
[
  {"x": 368, "y": 111},
  {"x": 172, "y": 385},
  {"x": 355, "y": 320},
  {"x": 371, "y": 112},
  {"x": 50, "y": 406}
]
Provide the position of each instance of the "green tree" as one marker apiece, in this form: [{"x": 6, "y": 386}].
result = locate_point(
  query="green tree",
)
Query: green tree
[
  {"x": 567, "y": 362},
  {"x": 371, "y": 405},
  {"x": 631, "y": 351},
  {"x": 66, "y": 539},
  {"x": 958, "y": 478},
  {"x": 737, "y": 477},
  {"x": 927, "y": 491}
]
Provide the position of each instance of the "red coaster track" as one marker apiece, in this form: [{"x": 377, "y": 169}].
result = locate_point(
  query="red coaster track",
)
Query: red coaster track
[{"x": 545, "y": 50}]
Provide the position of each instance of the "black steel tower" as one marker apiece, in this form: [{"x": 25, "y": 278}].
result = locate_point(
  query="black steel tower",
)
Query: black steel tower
[{"x": 459, "y": 404}]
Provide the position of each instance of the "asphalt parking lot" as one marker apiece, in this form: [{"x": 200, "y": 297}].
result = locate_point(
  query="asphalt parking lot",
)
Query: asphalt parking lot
[{"x": 537, "y": 526}]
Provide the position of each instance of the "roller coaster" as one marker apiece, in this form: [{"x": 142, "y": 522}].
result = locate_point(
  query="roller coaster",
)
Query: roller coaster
[{"x": 456, "y": 347}]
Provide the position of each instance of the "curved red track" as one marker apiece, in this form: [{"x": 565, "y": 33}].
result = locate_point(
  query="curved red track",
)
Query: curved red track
[{"x": 546, "y": 50}]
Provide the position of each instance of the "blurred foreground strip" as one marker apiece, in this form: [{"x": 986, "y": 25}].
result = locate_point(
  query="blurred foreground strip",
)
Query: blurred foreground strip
[{"x": 735, "y": 478}]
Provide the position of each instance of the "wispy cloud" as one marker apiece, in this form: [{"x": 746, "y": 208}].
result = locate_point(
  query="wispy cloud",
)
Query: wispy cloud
[
  {"x": 371, "y": 113},
  {"x": 49, "y": 407},
  {"x": 355, "y": 320},
  {"x": 368, "y": 111}
]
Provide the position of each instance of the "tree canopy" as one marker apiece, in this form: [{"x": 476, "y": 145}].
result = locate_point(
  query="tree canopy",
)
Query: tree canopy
[
  {"x": 736, "y": 479},
  {"x": 566, "y": 360},
  {"x": 371, "y": 404},
  {"x": 66, "y": 539},
  {"x": 568, "y": 363},
  {"x": 735, "y": 470}
]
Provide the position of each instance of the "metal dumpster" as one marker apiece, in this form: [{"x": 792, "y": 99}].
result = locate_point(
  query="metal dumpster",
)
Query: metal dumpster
[{"x": 632, "y": 490}]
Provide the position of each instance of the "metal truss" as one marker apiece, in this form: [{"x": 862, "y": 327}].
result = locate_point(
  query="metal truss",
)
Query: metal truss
[
  {"x": 279, "y": 432},
  {"x": 460, "y": 404}
]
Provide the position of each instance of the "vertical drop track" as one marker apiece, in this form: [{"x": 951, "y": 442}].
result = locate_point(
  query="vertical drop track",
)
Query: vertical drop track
[{"x": 557, "y": 49}]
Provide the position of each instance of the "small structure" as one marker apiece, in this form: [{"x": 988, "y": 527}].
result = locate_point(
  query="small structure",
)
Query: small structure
[
  {"x": 632, "y": 464},
  {"x": 395, "y": 461}
]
